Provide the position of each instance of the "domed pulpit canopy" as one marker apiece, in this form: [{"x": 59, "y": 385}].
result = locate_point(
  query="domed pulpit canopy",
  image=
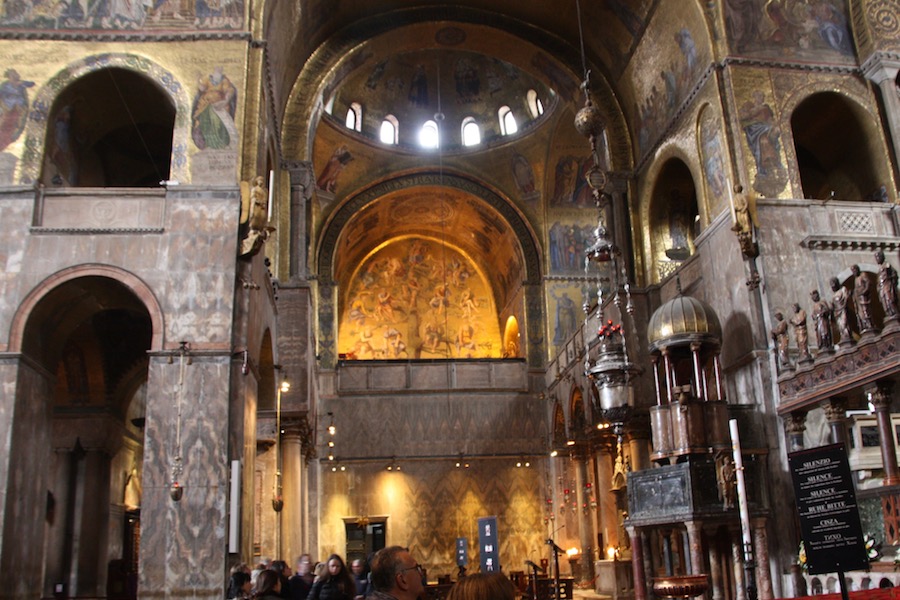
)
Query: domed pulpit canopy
[
  {"x": 683, "y": 320},
  {"x": 685, "y": 336}
]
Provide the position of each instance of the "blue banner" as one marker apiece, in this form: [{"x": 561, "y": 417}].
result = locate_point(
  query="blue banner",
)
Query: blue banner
[
  {"x": 489, "y": 544},
  {"x": 462, "y": 551}
]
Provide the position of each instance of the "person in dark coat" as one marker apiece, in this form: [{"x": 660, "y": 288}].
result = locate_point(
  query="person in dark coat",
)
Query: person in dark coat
[{"x": 335, "y": 584}]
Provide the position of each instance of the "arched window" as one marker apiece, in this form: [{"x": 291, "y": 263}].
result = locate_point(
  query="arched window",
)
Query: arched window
[
  {"x": 535, "y": 104},
  {"x": 507, "y": 121},
  {"x": 354, "y": 117},
  {"x": 471, "y": 133},
  {"x": 428, "y": 135},
  {"x": 389, "y": 130}
]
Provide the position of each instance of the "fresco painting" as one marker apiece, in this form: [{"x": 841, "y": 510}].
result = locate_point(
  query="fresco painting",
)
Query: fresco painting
[
  {"x": 418, "y": 298},
  {"x": 789, "y": 28}
]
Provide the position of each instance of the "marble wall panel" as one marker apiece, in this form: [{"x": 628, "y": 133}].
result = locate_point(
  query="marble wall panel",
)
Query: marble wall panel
[
  {"x": 102, "y": 211},
  {"x": 388, "y": 377},
  {"x": 429, "y": 377},
  {"x": 25, "y": 473},
  {"x": 181, "y": 539}
]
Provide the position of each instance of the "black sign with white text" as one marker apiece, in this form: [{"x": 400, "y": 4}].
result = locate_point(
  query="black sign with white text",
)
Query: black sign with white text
[{"x": 829, "y": 516}]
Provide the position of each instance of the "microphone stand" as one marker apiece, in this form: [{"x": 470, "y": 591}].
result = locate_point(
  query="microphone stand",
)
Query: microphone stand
[
  {"x": 556, "y": 551},
  {"x": 534, "y": 576}
]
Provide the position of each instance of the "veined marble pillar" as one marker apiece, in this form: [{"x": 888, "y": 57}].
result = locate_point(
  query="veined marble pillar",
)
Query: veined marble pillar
[
  {"x": 170, "y": 529},
  {"x": 737, "y": 559},
  {"x": 836, "y": 415},
  {"x": 293, "y": 534},
  {"x": 761, "y": 554},
  {"x": 880, "y": 397},
  {"x": 717, "y": 580},
  {"x": 637, "y": 564},
  {"x": 585, "y": 522},
  {"x": 696, "y": 545}
]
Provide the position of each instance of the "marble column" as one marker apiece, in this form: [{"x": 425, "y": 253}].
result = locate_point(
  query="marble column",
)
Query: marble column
[
  {"x": 717, "y": 579},
  {"x": 836, "y": 416},
  {"x": 302, "y": 183},
  {"x": 884, "y": 74},
  {"x": 761, "y": 555},
  {"x": 795, "y": 425},
  {"x": 294, "y": 474},
  {"x": 737, "y": 561},
  {"x": 586, "y": 531},
  {"x": 637, "y": 564},
  {"x": 880, "y": 396},
  {"x": 694, "y": 530}
]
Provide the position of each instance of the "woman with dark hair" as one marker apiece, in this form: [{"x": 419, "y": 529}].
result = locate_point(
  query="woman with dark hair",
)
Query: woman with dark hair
[
  {"x": 335, "y": 584},
  {"x": 239, "y": 587},
  {"x": 284, "y": 572},
  {"x": 268, "y": 586},
  {"x": 483, "y": 586}
]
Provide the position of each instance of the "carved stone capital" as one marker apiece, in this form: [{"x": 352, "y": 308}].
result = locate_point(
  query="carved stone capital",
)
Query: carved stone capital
[
  {"x": 880, "y": 395},
  {"x": 835, "y": 409},
  {"x": 795, "y": 422}
]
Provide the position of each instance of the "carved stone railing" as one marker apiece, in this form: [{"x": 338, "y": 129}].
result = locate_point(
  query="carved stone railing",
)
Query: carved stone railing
[{"x": 97, "y": 210}]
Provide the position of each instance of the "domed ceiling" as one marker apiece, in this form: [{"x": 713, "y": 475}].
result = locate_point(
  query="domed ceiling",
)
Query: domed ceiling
[{"x": 418, "y": 86}]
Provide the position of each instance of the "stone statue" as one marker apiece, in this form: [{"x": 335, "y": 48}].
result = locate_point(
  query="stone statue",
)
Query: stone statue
[
  {"x": 744, "y": 217},
  {"x": 839, "y": 303},
  {"x": 780, "y": 335},
  {"x": 862, "y": 298},
  {"x": 725, "y": 478},
  {"x": 801, "y": 334},
  {"x": 256, "y": 207},
  {"x": 822, "y": 315},
  {"x": 887, "y": 287}
]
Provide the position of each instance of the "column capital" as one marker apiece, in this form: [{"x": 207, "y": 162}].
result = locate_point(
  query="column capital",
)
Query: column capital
[
  {"x": 880, "y": 395},
  {"x": 835, "y": 409},
  {"x": 795, "y": 422}
]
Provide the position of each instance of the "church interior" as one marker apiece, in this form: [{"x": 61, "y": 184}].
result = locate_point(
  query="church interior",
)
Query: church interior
[{"x": 322, "y": 276}]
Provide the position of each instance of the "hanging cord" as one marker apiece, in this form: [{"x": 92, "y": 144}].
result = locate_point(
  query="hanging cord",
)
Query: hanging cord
[
  {"x": 581, "y": 39},
  {"x": 159, "y": 176}
]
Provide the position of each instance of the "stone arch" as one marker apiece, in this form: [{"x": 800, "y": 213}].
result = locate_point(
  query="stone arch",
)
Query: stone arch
[
  {"x": 137, "y": 286},
  {"x": 36, "y": 127},
  {"x": 677, "y": 171},
  {"x": 832, "y": 133}
]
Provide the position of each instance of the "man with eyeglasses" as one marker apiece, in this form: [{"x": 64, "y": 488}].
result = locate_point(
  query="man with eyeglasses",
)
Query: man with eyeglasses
[{"x": 396, "y": 575}]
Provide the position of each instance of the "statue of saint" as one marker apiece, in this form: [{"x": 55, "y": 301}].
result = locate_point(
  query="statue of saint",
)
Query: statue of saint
[
  {"x": 780, "y": 336},
  {"x": 839, "y": 303},
  {"x": 862, "y": 298},
  {"x": 801, "y": 334},
  {"x": 256, "y": 208},
  {"x": 887, "y": 287},
  {"x": 822, "y": 315}
]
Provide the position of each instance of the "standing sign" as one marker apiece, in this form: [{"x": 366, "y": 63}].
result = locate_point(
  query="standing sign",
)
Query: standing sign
[
  {"x": 462, "y": 551},
  {"x": 488, "y": 544},
  {"x": 829, "y": 516}
]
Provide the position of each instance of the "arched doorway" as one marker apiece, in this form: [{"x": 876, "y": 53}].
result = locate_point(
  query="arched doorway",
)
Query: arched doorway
[{"x": 78, "y": 430}]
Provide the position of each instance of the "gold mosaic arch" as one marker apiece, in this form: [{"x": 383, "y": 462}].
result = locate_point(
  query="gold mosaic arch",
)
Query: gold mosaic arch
[
  {"x": 36, "y": 128},
  {"x": 860, "y": 101}
]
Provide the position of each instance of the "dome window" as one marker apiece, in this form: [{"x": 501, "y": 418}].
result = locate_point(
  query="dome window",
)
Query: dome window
[
  {"x": 428, "y": 135},
  {"x": 389, "y": 130},
  {"x": 471, "y": 133},
  {"x": 507, "y": 121},
  {"x": 354, "y": 117},
  {"x": 535, "y": 104}
]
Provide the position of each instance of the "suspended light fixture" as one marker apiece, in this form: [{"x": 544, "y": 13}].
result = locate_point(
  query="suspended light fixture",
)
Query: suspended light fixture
[{"x": 176, "y": 490}]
